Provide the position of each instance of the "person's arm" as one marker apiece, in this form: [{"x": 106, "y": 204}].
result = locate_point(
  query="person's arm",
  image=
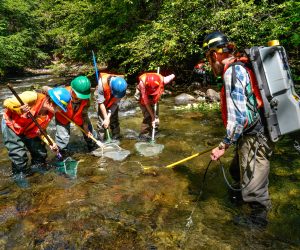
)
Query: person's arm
[
  {"x": 146, "y": 100},
  {"x": 236, "y": 101},
  {"x": 149, "y": 109},
  {"x": 236, "y": 109},
  {"x": 101, "y": 106},
  {"x": 168, "y": 79},
  {"x": 106, "y": 115}
]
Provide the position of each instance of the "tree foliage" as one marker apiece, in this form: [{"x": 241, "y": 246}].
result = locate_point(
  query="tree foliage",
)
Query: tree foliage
[
  {"x": 131, "y": 36},
  {"x": 18, "y": 31}
]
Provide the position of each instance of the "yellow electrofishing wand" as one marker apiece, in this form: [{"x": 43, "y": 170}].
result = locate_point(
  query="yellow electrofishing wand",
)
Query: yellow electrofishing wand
[
  {"x": 185, "y": 159},
  {"x": 189, "y": 158}
]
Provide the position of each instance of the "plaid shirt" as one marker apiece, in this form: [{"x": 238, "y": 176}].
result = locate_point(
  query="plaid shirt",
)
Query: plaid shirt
[{"x": 236, "y": 101}]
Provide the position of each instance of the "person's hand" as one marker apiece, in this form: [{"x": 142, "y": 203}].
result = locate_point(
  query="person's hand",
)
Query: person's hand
[
  {"x": 106, "y": 122},
  {"x": 216, "y": 153},
  {"x": 89, "y": 134},
  {"x": 155, "y": 122},
  {"x": 54, "y": 148},
  {"x": 25, "y": 109}
]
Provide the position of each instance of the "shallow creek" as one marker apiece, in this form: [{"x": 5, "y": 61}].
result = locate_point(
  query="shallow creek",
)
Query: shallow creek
[{"x": 120, "y": 205}]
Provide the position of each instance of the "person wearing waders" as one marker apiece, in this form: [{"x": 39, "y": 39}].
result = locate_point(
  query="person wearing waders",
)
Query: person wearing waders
[
  {"x": 77, "y": 111},
  {"x": 111, "y": 88},
  {"x": 148, "y": 91},
  {"x": 20, "y": 133},
  {"x": 245, "y": 128}
]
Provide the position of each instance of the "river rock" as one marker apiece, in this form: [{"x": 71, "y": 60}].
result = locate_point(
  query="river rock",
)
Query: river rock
[
  {"x": 213, "y": 95},
  {"x": 201, "y": 99},
  {"x": 184, "y": 99},
  {"x": 199, "y": 93},
  {"x": 127, "y": 104}
]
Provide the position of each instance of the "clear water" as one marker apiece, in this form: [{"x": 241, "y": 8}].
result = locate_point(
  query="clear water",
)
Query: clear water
[{"x": 121, "y": 205}]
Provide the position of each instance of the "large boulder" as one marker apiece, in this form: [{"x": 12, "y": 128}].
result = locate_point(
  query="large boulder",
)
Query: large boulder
[{"x": 184, "y": 99}]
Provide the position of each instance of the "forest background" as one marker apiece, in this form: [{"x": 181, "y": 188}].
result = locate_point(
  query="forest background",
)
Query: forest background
[{"x": 132, "y": 36}]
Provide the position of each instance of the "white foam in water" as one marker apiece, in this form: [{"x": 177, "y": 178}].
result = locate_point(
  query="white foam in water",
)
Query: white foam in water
[
  {"x": 112, "y": 151},
  {"x": 148, "y": 149},
  {"x": 119, "y": 155}
]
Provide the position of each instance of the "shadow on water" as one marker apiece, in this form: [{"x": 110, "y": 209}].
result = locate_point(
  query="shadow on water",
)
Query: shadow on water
[{"x": 118, "y": 205}]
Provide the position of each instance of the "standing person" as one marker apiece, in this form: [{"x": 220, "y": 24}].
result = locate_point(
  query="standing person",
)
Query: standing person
[
  {"x": 20, "y": 133},
  {"x": 111, "y": 88},
  {"x": 242, "y": 116},
  {"x": 149, "y": 90},
  {"x": 200, "y": 73},
  {"x": 77, "y": 111}
]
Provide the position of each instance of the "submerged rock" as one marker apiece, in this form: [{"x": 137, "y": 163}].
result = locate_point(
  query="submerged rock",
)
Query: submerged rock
[
  {"x": 213, "y": 95},
  {"x": 127, "y": 104}
]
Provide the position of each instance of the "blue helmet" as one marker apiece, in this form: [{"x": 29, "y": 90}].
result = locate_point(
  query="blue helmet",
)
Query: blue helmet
[
  {"x": 118, "y": 86},
  {"x": 60, "y": 96}
]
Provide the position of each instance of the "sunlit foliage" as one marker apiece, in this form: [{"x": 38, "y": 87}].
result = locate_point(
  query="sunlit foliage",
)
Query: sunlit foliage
[{"x": 136, "y": 35}]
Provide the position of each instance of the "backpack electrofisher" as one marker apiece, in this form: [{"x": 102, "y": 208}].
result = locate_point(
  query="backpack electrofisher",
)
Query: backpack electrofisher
[{"x": 281, "y": 103}]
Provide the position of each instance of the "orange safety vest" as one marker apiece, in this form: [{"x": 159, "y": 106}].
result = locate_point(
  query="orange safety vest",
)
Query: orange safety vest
[
  {"x": 75, "y": 116},
  {"x": 155, "y": 98},
  {"x": 23, "y": 125},
  {"x": 109, "y": 99},
  {"x": 254, "y": 89}
]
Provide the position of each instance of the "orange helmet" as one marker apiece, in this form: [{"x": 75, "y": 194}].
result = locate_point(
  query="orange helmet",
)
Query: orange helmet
[{"x": 152, "y": 83}]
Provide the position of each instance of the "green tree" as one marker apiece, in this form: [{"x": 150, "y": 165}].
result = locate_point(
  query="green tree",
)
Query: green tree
[{"x": 19, "y": 33}]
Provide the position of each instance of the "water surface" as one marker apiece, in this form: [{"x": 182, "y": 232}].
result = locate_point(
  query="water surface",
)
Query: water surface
[{"x": 119, "y": 205}]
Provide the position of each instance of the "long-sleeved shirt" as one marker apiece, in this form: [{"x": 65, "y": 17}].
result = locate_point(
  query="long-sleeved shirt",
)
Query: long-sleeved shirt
[{"x": 236, "y": 101}]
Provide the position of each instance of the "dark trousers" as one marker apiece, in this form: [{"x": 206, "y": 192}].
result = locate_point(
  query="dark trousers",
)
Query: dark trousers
[
  {"x": 63, "y": 132},
  {"x": 146, "y": 127},
  {"x": 18, "y": 146}
]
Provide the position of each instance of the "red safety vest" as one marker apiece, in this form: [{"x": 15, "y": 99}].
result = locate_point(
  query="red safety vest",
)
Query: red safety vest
[
  {"x": 254, "y": 89},
  {"x": 75, "y": 116},
  {"x": 109, "y": 99},
  {"x": 23, "y": 125},
  {"x": 155, "y": 98}
]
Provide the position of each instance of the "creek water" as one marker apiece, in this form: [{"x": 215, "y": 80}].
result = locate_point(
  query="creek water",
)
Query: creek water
[{"x": 120, "y": 205}]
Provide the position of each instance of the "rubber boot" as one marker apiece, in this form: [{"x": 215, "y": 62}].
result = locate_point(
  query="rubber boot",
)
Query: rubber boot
[
  {"x": 20, "y": 180},
  {"x": 256, "y": 220}
]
